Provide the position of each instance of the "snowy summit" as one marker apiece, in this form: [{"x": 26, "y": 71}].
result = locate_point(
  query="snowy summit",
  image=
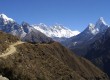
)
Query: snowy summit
[
  {"x": 56, "y": 31},
  {"x": 3, "y": 16}
]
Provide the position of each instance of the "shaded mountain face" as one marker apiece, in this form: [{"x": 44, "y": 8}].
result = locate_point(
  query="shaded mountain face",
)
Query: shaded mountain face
[
  {"x": 36, "y": 36},
  {"x": 79, "y": 44},
  {"x": 56, "y": 32},
  {"x": 46, "y": 62},
  {"x": 8, "y": 25},
  {"x": 99, "y": 52}
]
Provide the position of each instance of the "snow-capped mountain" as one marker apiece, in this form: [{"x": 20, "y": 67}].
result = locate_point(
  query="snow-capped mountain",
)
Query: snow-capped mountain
[
  {"x": 5, "y": 18},
  {"x": 55, "y": 31},
  {"x": 79, "y": 43},
  {"x": 100, "y": 26},
  {"x": 8, "y": 25}
]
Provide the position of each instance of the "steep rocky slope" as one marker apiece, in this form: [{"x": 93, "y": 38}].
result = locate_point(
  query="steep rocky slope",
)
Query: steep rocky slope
[
  {"x": 47, "y": 62},
  {"x": 99, "y": 52}
]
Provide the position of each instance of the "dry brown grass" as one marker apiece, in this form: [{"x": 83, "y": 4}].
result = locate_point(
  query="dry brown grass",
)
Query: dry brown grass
[{"x": 6, "y": 40}]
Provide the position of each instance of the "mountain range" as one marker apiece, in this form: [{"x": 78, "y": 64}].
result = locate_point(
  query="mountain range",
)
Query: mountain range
[
  {"x": 39, "y": 57},
  {"x": 22, "y": 31},
  {"x": 56, "y": 32}
]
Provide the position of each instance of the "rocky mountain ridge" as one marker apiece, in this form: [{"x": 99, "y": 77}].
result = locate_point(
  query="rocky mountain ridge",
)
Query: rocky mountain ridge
[{"x": 80, "y": 42}]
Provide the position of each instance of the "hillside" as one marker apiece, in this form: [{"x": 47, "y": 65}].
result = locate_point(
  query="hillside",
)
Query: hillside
[
  {"x": 46, "y": 62},
  {"x": 6, "y": 40}
]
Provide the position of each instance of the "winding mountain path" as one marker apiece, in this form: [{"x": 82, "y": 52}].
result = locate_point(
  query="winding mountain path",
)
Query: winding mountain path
[{"x": 11, "y": 49}]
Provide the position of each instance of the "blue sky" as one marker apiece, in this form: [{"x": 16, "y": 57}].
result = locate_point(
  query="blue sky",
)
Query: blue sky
[{"x": 74, "y": 14}]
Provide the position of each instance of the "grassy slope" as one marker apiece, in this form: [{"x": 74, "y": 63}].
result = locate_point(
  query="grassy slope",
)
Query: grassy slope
[{"x": 6, "y": 40}]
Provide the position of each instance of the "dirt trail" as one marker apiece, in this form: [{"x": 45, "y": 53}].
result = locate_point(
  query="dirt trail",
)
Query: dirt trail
[
  {"x": 3, "y": 78},
  {"x": 11, "y": 49}
]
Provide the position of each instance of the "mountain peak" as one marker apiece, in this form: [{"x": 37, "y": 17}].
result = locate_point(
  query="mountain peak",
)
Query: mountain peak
[
  {"x": 90, "y": 25},
  {"x": 101, "y": 25},
  {"x": 101, "y": 21},
  {"x": 101, "y": 18},
  {"x": 42, "y": 24},
  {"x": 91, "y": 29},
  {"x": 60, "y": 27},
  {"x": 3, "y": 16},
  {"x": 24, "y": 23}
]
